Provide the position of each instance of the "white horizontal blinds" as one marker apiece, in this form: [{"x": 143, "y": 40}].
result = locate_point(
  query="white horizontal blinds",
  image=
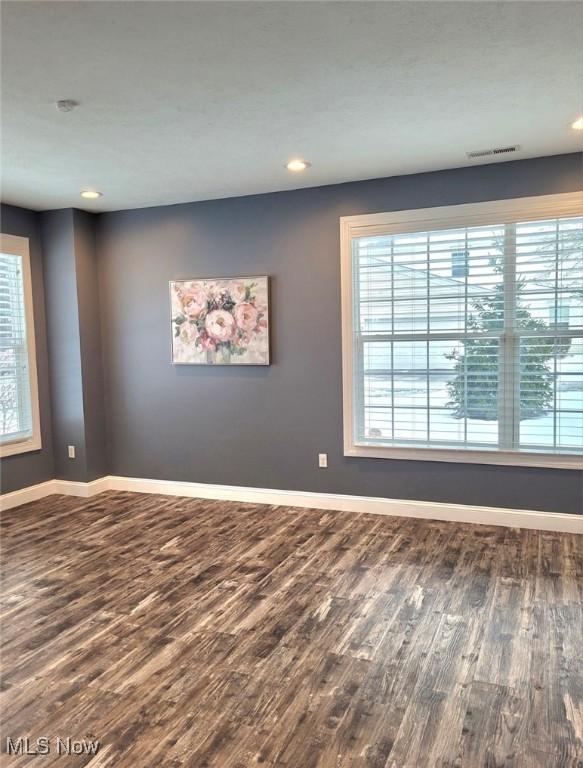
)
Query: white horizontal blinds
[
  {"x": 549, "y": 273},
  {"x": 15, "y": 400},
  {"x": 439, "y": 334}
]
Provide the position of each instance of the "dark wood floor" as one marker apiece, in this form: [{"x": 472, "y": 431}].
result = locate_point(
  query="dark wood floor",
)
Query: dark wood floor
[{"x": 191, "y": 633}]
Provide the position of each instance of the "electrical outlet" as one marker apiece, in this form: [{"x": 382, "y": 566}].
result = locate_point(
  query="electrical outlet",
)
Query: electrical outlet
[
  {"x": 71, "y": 449},
  {"x": 322, "y": 460}
]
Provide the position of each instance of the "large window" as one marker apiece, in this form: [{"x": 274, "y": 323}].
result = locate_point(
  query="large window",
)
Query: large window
[
  {"x": 19, "y": 412},
  {"x": 463, "y": 332}
]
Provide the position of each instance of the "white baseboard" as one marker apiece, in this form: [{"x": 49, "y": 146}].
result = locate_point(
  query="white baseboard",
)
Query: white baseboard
[
  {"x": 85, "y": 490},
  {"x": 64, "y": 487},
  {"x": 28, "y": 494},
  {"x": 428, "y": 510}
]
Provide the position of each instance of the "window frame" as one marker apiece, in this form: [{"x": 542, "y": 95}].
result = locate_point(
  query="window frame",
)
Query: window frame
[
  {"x": 490, "y": 212},
  {"x": 19, "y": 246}
]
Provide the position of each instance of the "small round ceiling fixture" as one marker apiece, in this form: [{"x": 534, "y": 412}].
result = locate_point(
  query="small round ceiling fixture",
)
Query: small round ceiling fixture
[
  {"x": 91, "y": 194},
  {"x": 66, "y": 105},
  {"x": 577, "y": 125},
  {"x": 297, "y": 165}
]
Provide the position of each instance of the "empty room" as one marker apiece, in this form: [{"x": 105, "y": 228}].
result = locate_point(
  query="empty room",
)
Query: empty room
[{"x": 291, "y": 384}]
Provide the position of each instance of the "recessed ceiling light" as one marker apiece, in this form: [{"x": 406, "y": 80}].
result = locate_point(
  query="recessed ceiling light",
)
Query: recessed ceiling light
[
  {"x": 297, "y": 165},
  {"x": 578, "y": 124},
  {"x": 90, "y": 194}
]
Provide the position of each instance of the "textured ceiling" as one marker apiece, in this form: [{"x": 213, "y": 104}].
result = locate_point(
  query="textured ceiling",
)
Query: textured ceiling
[{"x": 190, "y": 101}]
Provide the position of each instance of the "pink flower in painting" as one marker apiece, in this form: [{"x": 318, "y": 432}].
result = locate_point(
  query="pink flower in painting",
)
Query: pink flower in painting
[
  {"x": 246, "y": 316},
  {"x": 194, "y": 301},
  {"x": 206, "y": 342},
  {"x": 220, "y": 325},
  {"x": 237, "y": 290}
]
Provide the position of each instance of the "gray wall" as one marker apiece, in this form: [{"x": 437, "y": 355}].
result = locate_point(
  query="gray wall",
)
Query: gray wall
[
  {"x": 74, "y": 335},
  {"x": 265, "y": 426},
  {"x": 86, "y": 261},
  {"x": 58, "y": 244},
  {"x": 36, "y": 467}
]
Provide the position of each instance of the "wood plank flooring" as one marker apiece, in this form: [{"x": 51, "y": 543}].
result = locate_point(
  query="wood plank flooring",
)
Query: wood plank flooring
[{"x": 181, "y": 632}]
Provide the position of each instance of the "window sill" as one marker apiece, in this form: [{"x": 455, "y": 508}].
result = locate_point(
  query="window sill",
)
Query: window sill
[
  {"x": 504, "y": 458},
  {"x": 22, "y": 446}
]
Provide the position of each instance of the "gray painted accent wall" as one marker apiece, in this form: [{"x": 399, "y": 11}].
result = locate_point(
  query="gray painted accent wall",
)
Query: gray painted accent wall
[
  {"x": 38, "y": 466},
  {"x": 58, "y": 243},
  {"x": 265, "y": 426},
  {"x": 74, "y": 333},
  {"x": 86, "y": 261}
]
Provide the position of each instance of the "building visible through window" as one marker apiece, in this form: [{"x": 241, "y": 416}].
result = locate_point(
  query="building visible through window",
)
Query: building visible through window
[{"x": 19, "y": 422}]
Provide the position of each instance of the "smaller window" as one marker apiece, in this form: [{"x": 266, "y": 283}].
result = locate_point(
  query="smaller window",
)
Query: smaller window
[
  {"x": 19, "y": 408},
  {"x": 459, "y": 264},
  {"x": 559, "y": 315}
]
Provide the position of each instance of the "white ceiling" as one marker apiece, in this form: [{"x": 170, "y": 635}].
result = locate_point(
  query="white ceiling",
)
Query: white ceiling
[{"x": 190, "y": 101}]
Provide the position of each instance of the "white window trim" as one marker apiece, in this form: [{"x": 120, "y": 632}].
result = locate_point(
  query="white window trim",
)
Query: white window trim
[
  {"x": 19, "y": 247},
  {"x": 443, "y": 217}
]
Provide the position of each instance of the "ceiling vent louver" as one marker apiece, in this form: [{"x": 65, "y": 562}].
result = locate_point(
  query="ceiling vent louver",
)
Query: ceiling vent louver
[{"x": 494, "y": 151}]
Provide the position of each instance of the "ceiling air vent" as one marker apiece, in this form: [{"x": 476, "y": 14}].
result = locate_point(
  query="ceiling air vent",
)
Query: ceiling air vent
[{"x": 493, "y": 151}]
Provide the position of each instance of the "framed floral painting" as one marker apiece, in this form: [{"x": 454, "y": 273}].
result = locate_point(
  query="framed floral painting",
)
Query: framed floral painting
[{"x": 222, "y": 321}]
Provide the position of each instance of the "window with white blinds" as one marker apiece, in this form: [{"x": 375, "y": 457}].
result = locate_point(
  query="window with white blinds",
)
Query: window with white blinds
[
  {"x": 19, "y": 416},
  {"x": 463, "y": 332}
]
